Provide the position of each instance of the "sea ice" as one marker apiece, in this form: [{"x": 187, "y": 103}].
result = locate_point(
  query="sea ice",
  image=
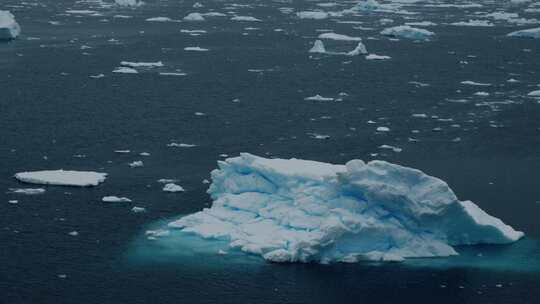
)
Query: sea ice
[
  {"x": 27, "y": 191},
  {"x": 318, "y": 47},
  {"x": 171, "y": 187},
  {"x": 408, "y": 32},
  {"x": 125, "y": 70},
  {"x": 530, "y": 33},
  {"x": 141, "y": 64},
  {"x": 9, "y": 28},
  {"x": 62, "y": 178},
  {"x": 245, "y": 19},
  {"x": 292, "y": 210},
  {"x": 534, "y": 93},
  {"x": 339, "y": 37},
  {"x": 195, "y": 49},
  {"x": 128, "y": 3},
  {"x": 136, "y": 164},
  {"x": 377, "y": 57},
  {"x": 194, "y": 17},
  {"x": 317, "y": 15},
  {"x": 115, "y": 199},
  {"x": 318, "y": 98}
]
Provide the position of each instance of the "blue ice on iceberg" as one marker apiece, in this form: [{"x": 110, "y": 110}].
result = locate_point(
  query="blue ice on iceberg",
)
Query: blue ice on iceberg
[
  {"x": 292, "y": 210},
  {"x": 9, "y": 28}
]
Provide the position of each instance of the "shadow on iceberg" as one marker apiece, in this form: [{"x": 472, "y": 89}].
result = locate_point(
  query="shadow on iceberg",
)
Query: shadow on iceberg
[{"x": 306, "y": 211}]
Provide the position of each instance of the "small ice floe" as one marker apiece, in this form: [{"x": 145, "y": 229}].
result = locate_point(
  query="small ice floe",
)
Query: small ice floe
[
  {"x": 115, "y": 199},
  {"x": 395, "y": 149},
  {"x": 318, "y": 136},
  {"x": 479, "y": 23},
  {"x": 194, "y": 17},
  {"x": 383, "y": 129},
  {"x": 197, "y": 5},
  {"x": 419, "y": 84},
  {"x": 172, "y": 74},
  {"x": 9, "y": 28},
  {"x": 483, "y": 94},
  {"x": 13, "y": 202},
  {"x": 319, "y": 98},
  {"x": 193, "y": 32},
  {"x": 377, "y": 57},
  {"x": 195, "y": 49},
  {"x": 62, "y": 178},
  {"x": 136, "y": 164},
  {"x": 421, "y": 23},
  {"x": 200, "y": 114},
  {"x": 122, "y": 151},
  {"x": 97, "y": 76},
  {"x": 73, "y": 233},
  {"x": 338, "y": 37},
  {"x": 408, "y": 32},
  {"x": 166, "y": 180},
  {"x": 359, "y": 49},
  {"x": 245, "y": 19},
  {"x": 128, "y": 3},
  {"x": 419, "y": 115},
  {"x": 81, "y": 12},
  {"x": 473, "y": 83},
  {"x": 171, "y": 187},
  {"x": 27, "y": 191},
  {"x": 160, "y": 19},
  {"x": 154, "y": 234},
  {"x": 138, "y": 210},
  {"x": 529, "y": 33},
  {"x": 125, "y": 70},
  {"x": 534, "y": 94},
  {"x": 317, "y": 15},
  {"x": 180, "y": 145},
  {"x": 144, "y": 154},
  {"x": 318, "y": 47},
  {"x": 222, "y": 252},
  {"x": 141, "y": 64}
]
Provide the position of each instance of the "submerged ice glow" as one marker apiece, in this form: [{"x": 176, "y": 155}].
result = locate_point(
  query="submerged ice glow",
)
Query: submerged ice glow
[{"x": 304, "y": 211}]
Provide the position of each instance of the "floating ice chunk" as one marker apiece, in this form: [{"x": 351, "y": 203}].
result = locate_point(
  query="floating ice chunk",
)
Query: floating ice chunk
[
  {"x": 534, "y": 93},
  {"x": 319, "y": 98},
  {"x": 9, "y": 28},
  {"x": 166, "y": 180},
  {"x": 172, "y": 74},
  {"x": 359, "y": 49},
  {"x": 481, "y": 23},
  {"x": 81, "y": 12},
  {"x": 421, "y": 23},
  {"x": 408, "y": 32},
  {"x": 194, "y": 17},
  {"x": 128, "y": 3},
  {"x": 197, "y": 5},
  {"x": 73, "y": 233},
  {"x": 13, "y": 202},
  {"x": 125, "y": 70},
  {"x": 393, "y": 148},
  {"x": 530, "y": 33},
  {"x": 473, "y": 83},
  {"x": 142, "y": 64},
  {"x": 171, "y": 187},
  {"x": 195, "y": 49},
  {"x": 319, "y": 136},
  {"x": 317, "y": 15},
  {"x": 115, "y": 199},
  {"x": 318, "y": 47},
  {"x": 383, "y": 129},
  {"x": 160, "y": 19},
  {"x": 305, "y": 211},
  {"x": 180, "y": 145},
  {"x": 138, "y": 209},
  {"x": 245, "y": 19},
  {"x": 339, "y": 37},
  {"x": 27, "y": 191},
  {"x": 62, "y": 178},
  {"x": 136, "y": 164},
  {"x": 377, "y": 57}
]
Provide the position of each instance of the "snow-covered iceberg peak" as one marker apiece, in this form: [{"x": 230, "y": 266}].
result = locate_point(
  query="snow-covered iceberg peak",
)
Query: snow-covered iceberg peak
[
  {"x": 9, "y": 28},
  {"x": 307, "y": 211}
]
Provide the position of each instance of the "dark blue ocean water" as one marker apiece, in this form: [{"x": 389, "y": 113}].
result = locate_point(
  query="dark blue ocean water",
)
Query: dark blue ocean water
[{"x": 52, "y": 113}]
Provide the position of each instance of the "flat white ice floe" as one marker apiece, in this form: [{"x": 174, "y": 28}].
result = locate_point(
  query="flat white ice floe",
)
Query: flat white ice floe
[
  {"x": 476, "y": 23},
  {"x": 530, "y": 33},
  {"x": 115, "y": 199},
  {"x": 245, "y": 19},
  {"x": 534, "y": 93},
  {"x": 195, "y": 49},
  {"x": 125, "y": 70},
  {"x": 128, "y": 3},
  {"x": 377, "y": 57},
  {"x": 62, "y": 178},
  {"x": 306, "y": 211},
  {"x": 9, "y": 28},
  {"x": 317, "y": 15},
  {"x": 408, "y": 32},
  {"x": 319, "y": 98},
  {"x": 339, "y": 37},
  {"x": 142, "y": 64},
  {"x": 27, "y": 191}
]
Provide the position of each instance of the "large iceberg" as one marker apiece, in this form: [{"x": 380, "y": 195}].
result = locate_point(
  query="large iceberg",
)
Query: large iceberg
[
  {"x": 529, "y": 33},
  {"x": 307, "y": 211},
  {"x": 9, "y": 28}
]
